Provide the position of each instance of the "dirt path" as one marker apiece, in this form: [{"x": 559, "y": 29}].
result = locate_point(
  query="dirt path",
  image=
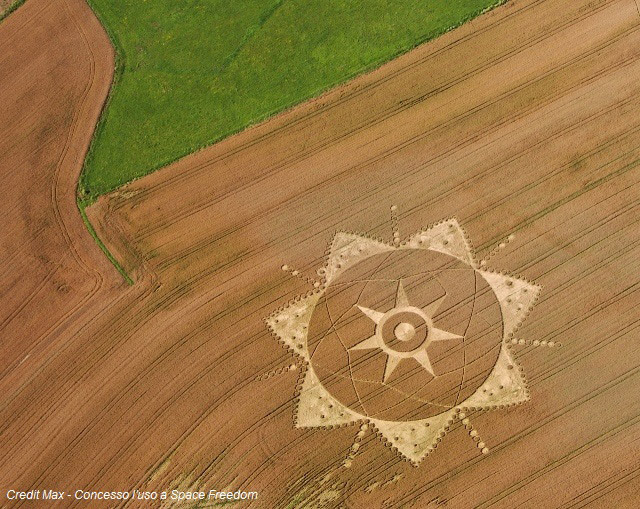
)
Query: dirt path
[{"x": 525, "y": 122}]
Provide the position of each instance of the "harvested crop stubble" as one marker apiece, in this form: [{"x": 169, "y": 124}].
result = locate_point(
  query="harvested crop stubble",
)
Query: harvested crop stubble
[
  {"x": 56, "y": 65},
  {"x": 524, "y": 122}
]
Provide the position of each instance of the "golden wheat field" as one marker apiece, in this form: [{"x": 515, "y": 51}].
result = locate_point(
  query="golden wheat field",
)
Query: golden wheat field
[{"x": 417, "y": 290}]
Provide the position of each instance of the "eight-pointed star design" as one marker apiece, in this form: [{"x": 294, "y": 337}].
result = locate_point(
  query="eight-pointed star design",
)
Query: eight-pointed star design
[{"x": 404, "y": 332}]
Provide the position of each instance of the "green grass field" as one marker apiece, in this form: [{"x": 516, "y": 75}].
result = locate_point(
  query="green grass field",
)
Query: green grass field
[
  {"x": 195, "y": 71},
  {"x": 8, "y": 6}
]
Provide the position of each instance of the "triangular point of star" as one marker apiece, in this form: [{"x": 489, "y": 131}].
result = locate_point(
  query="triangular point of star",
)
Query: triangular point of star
[
  {"x": 505, "y": 385},
  {"x": 374, "y": 315},
  {"x": 349, "y": 248},
  {"x": 317, "y": 408},
  {"x": 288, "y": 324},
  {"x": 432, "y": 308},
  {"x": 367, "y": 344},
  {"x": 414, "y": 439},
  {"x": 442, "y": 335},
  {"x": 392, "y": 363},
  {"x": 516, "y": 297},
  {"x": 446, "y": 237},
  {"x": 401, "y": 296}
]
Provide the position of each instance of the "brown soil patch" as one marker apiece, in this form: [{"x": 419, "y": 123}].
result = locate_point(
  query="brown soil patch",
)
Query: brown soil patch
[
  {"x": 56, "y": 66},
  {"x": 523, "y": 122}
]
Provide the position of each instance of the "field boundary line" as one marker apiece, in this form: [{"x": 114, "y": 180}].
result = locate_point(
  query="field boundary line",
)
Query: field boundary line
[
  {"x": 373, "y": 66},
  {"x": 81, "y": 207},
  {"x": 181, "y": 176}
]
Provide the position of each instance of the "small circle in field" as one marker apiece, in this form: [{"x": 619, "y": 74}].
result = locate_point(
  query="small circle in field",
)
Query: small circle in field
[{"x": 404, "y": 331}]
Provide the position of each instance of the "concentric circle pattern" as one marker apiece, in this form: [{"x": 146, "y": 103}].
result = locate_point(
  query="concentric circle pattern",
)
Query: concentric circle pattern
[{"x": 386, "y": 360}]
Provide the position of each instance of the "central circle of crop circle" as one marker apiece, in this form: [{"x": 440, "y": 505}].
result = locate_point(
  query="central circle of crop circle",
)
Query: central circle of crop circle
[{"x": 404, "y": 331}]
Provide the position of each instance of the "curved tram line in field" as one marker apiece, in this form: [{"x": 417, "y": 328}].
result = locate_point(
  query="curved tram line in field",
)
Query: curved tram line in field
[{"x": 524, "y": 120}]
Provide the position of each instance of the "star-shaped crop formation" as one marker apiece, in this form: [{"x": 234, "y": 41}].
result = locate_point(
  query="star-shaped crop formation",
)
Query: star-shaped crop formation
[
  {"x": 404, "y": 331},
  {"x": 420, "y": 352}
]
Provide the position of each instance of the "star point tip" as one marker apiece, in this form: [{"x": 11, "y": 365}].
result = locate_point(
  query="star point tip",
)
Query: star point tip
[
  {"x": 401, "y": 296},
  {"x": 376, "y": 316}
]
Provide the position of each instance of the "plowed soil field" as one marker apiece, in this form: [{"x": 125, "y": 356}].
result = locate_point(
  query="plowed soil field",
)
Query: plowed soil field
[{"x": 523, "y": 124}]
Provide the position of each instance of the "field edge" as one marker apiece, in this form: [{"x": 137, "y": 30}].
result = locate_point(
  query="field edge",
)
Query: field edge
[
  {"x": 10, "y": 9},
  {"x": 86, "y": 198},
  {"x": 82, "y": 205},
  {"x": 83, "y": 187}
]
